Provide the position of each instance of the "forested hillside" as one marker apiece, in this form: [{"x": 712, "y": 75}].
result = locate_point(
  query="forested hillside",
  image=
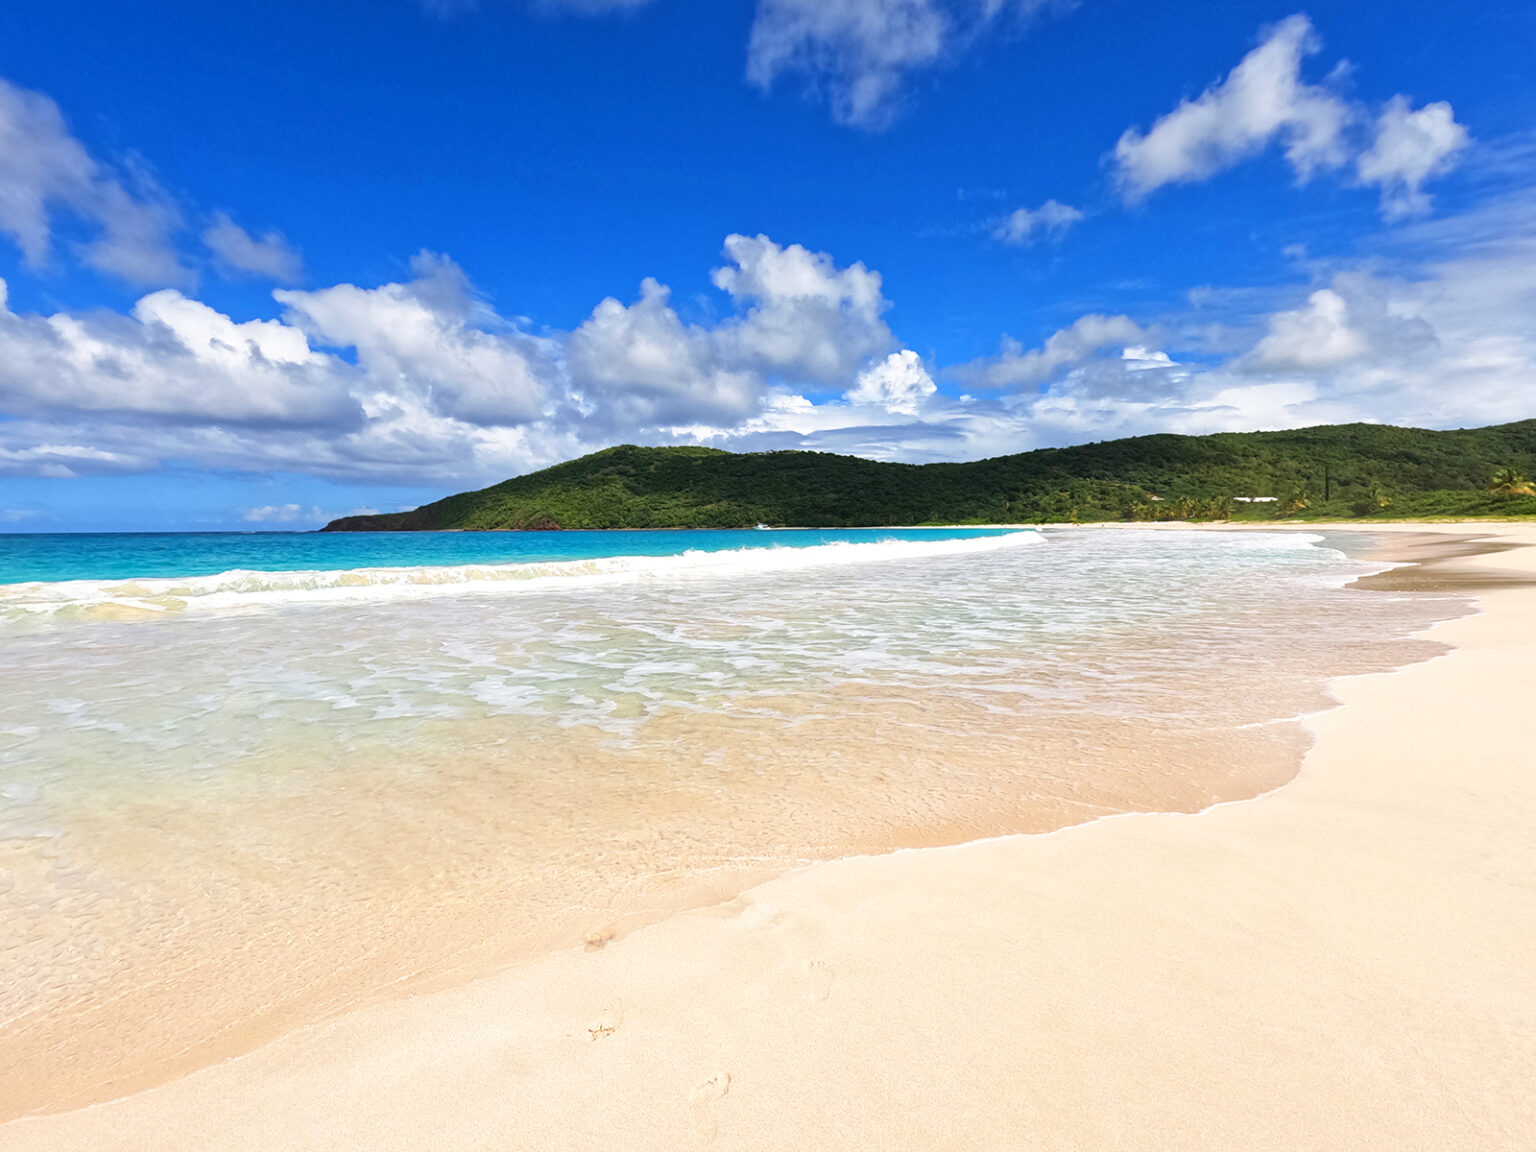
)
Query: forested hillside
[{"x": 1348, "y": 470}]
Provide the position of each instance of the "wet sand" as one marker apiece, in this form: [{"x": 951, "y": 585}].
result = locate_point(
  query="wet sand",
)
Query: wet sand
[
  {"x": 1438, "y": 562},
  {"x": 1340, "y": 963}
]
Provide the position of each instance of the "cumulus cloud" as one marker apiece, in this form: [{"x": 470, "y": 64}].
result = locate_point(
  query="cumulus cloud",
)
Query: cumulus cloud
[
  {"x": 799, "y": 319},
  {"x": 899, "y": 383},
  {"x": 1264, "y": 100},
  {"x": 172, "y": 357},
  {"x": 1050, "y": 221},
  {"x": 858, "y": 54},
  {"x": 45, "y": 173},
  {"x": 270, "y": 256},
  {"x": 1139, "y": 359},
  {"x": 1317, "y": 336},
  {"x": 1410, "y": 148},
  {"x": 1261, "y": 100},
  {"x": 804, "y": 318},
  {"x": 1441, "y": 343},
  {"x": 428, "y": 339},
  {"x": 640, "y": 364},
  {"x": 421, "y": 381}
]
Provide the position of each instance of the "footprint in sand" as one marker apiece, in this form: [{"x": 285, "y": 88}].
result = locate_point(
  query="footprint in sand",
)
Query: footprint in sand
[
  {"x": 822, "y": 975},
  {"x": 607, "y": 1023},
  {"x": 701, "y": 1106},
  {"x": 598, "y": 938}
]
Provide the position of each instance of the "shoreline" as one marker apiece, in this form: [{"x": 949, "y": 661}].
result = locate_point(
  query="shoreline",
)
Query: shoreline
[
  {"x": 71, "y": 1060},
  {"x": 728, "y": 989}
]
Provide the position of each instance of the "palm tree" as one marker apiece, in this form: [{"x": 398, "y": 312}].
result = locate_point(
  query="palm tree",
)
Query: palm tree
[
  {"x": 1371, "y": 501},
  {"x": 1511, "y": 482},
  {"x": 1290, "y": 504}
]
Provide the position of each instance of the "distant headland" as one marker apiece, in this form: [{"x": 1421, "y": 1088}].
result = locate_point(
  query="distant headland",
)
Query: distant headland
[{"x": 1327, "y": 472}]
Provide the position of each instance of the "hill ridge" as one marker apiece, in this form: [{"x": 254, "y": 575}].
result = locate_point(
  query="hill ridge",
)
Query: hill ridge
[{"x": 1332, "y": 470}]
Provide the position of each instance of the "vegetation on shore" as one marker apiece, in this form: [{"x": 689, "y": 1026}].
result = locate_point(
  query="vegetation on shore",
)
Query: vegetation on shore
[{"x": 1346, "y": 471}]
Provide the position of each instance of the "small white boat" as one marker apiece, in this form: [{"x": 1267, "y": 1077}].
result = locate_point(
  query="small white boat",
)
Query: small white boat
[{"x": 763, "y": 528}]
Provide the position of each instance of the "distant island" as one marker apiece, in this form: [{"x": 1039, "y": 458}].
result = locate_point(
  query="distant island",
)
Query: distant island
[{"x": 1328, "y": 472}]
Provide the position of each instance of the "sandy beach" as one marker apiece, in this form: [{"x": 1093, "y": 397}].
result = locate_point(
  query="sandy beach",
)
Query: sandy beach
[{"x": 1344, "y": 962}]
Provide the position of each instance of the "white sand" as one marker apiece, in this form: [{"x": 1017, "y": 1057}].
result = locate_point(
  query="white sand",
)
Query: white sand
[{"x": 1348, "y": 962}]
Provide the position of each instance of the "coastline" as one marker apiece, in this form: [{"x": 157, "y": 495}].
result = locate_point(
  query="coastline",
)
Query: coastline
[{"x": 1332, "y": 964}]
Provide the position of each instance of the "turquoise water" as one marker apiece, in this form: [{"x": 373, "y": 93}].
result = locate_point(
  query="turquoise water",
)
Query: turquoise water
[{"x": 129, "y": 555}]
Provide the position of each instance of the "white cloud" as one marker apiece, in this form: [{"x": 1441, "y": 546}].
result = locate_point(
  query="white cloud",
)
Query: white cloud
[
  {"x": 1264, "y": 100},
  {"x": 45, "y": 172},
  {"x": 173, "y": 357},
  {"x": 858, "y": 54},
  {"x": 640, "y": 364},
  {"x": 60, "y": 461},
  {"x": 1023, "y": 226},
  {"x": 1317, "y": 336},
  {"x": 428, "y": 339},
  {"x": 899, "y": 383},
  {"x": 1410, "y": 148},
  {"x": 1261, "y": 100},
  {"x": 283, "y": 514},
  {"x": 1139, "y": 359},
  {"x": 1444, "y": 342},
  {"x": 422, "y": 380},
  {"x": 270, "y": 256},
  {"x": 438, "y": 388},
  {"x": 1014, "y": 366},
  {"x": 799, "y": 318},
  {"x": 858, "y": 51},
  {"x": 805, "y": 318}
]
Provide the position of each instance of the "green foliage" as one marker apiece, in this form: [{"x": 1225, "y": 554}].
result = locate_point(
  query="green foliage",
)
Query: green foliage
[
  {"x": 1373, "y": 500},
  {"x": 1333, "y": 471},
  {"x": 1292, "y": 502},
  {"x": 1511, "y": 482}
]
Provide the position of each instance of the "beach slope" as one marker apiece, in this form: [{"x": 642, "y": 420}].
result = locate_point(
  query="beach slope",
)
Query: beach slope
[{"x": 1345, "y": 962}]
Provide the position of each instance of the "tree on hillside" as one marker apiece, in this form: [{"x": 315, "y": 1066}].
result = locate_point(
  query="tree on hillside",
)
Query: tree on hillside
[
  {"x": 1290, "y": 504},
  {"x": 1511, "y": 482},
  {"x": 1371, "y": 501}
]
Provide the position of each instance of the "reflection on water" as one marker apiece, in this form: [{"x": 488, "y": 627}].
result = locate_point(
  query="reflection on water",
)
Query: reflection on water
[{"x": 215, "y": 825}]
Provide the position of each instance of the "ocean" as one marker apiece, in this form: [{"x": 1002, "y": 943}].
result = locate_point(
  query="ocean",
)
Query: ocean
[{"x": 249, "y": 781}]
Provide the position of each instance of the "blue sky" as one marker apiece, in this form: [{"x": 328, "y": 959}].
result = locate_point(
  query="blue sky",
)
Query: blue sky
[{"x": 269, "y": 263}]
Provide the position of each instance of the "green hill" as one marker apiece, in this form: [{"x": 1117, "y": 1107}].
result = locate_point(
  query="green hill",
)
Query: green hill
[{"x": 1342, "y": 470}]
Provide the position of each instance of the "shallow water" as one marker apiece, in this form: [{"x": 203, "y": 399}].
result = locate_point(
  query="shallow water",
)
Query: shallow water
[
  {"x": 231, "y": 804},
  {"x": 108, "y": 556}
]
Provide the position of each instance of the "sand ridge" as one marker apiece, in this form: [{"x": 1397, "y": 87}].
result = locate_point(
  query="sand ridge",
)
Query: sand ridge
[{"x": 1341, "y": 963}]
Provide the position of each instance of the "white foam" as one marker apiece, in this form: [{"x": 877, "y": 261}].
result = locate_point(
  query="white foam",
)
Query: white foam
[{"x": 240, "y": 588}]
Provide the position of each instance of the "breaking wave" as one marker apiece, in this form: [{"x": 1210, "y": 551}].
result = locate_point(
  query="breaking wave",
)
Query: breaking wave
[{"x": 240, "y": 588}]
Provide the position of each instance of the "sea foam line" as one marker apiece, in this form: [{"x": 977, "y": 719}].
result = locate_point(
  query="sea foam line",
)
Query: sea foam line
[{"x": 242, "y": 587}]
